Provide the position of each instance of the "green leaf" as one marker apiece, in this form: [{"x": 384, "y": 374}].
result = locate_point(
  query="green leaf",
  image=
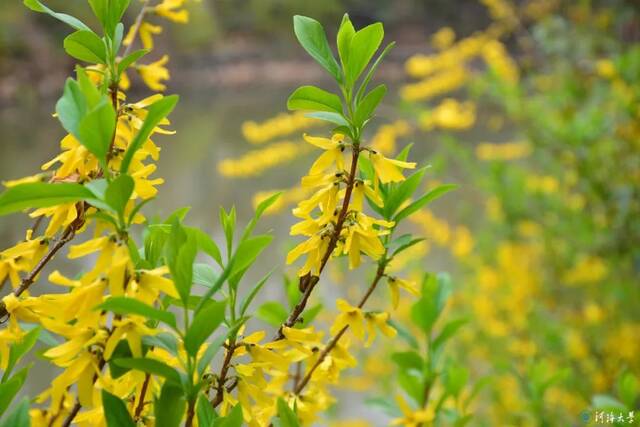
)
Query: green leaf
[
  {"x": 411, "y": 382},
  {"x": 408, "y": 360},
  {"x": 204, "y": 274},
  {"x": 311, "y": 98},
  {"x": 117, "y": 39},
  {"x": 41, "y": 195},
  {"x": 448, "y": 331},
  {"x": 330, "y": 117},
  {"x": 150, "y": 366},
  {"x": 11, "y": 387},
  {"x": 86, "y": 46},
  {"x": 206, "y": 244},
  {"x": 423, "y": 201},
  {"x": 19, "y": 417},
  {"x": 244, "y": 305},
  {"x": 169, "y": 408},
  {"x": 262, "y": 206},
  {"x": 125, "y": 305},
  {"x": 96, "y": 128},
  {"x": 205, "y": 321},
  {"x": 207, "y": 295},
  {"x": 345, "y": 34},
  {"x": 607, "y": 403},
  {"x": 163, "y": 340},
  {"x": 287, "y": 417},
  {"x": 313, "y": 39},
  {"x": 367, "y": 78},
  {"x": 455, "y": 377},
  {"x": 36, "y": 6},
  {"x": 272, "y": 312},
  {"x": 628, "y": 388},
  {"x": 130, "y": 59},
  {"x": 115, "y": 411},
  {"x": 210, "y": 353},
  {"x": 405, "y": 334},
  {"x": 228, "y": 221},
  {"x": 435, "y": 292},
  {"x": 205, "y": 413},
  {"x": 364, "y": 44},
  {"x": 407, "y": 245},
  {"x": 118, "y": 193},
  {"x": 19, "y": 349},
  {"x": 71, "y": 107},
  {"x": 109, "y": 13},
  {"x": 122, "y": 351},
  {"x": 400, "y": 192},
  {"x": 368, "y": 105},
  {"x": 233, "y": 419},
  {"x": 246, "y": 253},
  {"x": 156, "y": 112},
  {"x": 181, "y": 251}
]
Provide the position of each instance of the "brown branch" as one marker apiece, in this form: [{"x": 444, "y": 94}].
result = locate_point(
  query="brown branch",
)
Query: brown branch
[
  {"x": 334, "y": 341},
  {"x": 222, "y": 379},
  {"x": 76, "y": 408},
  {"x": 136, "y": 26},
  {"x": 67, "y": 236},
  {"x": 308, "y": 282},
  {"x": 143, "y": 393}
]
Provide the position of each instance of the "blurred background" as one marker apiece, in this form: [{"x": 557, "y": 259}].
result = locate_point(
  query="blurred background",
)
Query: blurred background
[{"x": 530, "y": 106}]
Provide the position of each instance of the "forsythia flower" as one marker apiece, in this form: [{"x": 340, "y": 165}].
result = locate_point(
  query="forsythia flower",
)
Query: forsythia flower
[
  {"x": 349, "y": 316},
  {"x": 153, "y": 74},
  {"x": 411, "y": 417},
  {"x": 378, "y": 321},
  {"x": 443, "y": 38},
  {"x": 169, "y": 9},
  {"x": 333, "y": 147},
  {"x": 387, "y": 170},
  {"x": 280, "y": 125},
  {"x": 395, "y": 284}
]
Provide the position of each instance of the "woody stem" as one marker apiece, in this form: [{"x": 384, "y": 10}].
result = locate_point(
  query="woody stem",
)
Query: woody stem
[
  {"x": 136, "y": 26},
  {"x": 67, "y": 236},
  {"x": 334, "y": 341},
  {"x": 223, "y": 374},
  {"x": 308, "y": 282}
]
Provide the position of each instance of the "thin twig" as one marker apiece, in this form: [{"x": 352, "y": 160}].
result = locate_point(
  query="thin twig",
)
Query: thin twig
[
  {"x": 67, "y": 236},
  {"x": 226, "y": 364},
  {"x": 143, "y": 393},
  {"x": 336, "y": 338},
  {"x": 334, "y": 341},
  {"x": 308, "y": 282},
  {"x": 136, "y": 26}
]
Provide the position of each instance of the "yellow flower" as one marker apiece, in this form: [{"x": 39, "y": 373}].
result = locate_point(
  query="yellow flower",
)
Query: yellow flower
[
  {"x": 362, "y": 237},
  {"x": 153, "y": 74},
  {"x": 255, "y": 162},
  {"x": 411, "y": 417},
  {"x": 350, "y": 316},
  {"x": 147, "y": 31},
  {"x": 378, "y": 321},
  {"x": 334, "y": 148},
  {"x": 443, "y": 38},
  {"x": 387, "y": 170},
  {"x": 395, "y": 284},
  {"x": 280, "y": 125},
  {"x": 21, "y": 258},
  {"x": 315, "y": 247},
  {"x": 168, "y": 9},
  {"x": 362, "y": 188}
]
